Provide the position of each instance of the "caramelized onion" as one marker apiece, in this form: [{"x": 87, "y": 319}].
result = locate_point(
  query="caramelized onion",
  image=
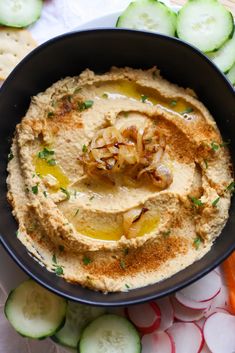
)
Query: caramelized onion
[
  {"x": 161, "y": 176},
  {"x": 135, "y": 151},
  {"x": 131, "y": 222},
  {"x": 129, "y": 217}
]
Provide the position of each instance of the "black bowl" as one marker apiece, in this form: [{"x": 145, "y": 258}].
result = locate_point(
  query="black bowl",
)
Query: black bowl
[{"x": 99, "y": 50}]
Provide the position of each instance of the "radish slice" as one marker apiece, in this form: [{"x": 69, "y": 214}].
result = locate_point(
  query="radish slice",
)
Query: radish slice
[
  {"x": 188, "y": 337},
  {"x": 220, "y": 273},
  {"x": 220, "y": 301},
  {"x": 157, "y": 342},
  {"x": 146, "y": 317},
  {"x": 215, "y": 310},
  {"x": 167, "y": 313},
  {"x": 185, "y": 314},
  {"x": 219, "y": 333},
  {"x": 204, "y": 289},
  {"x": 189, "y": 303}
]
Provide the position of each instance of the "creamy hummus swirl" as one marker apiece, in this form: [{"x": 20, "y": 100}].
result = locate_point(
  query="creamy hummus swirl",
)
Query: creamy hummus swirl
[{"x": 118, "y": 180}]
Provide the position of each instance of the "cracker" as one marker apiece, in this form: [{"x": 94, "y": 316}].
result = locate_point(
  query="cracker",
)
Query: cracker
[{"x": 14, "y": 45}]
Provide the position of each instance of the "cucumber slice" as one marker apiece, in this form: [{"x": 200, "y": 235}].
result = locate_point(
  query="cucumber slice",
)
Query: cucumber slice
[
  {"x": 149, "y": 15},
  {"x": 35, "y": 312},
  {"x": 224, "y": 58},
  {"x": 207, "y": 24},
  {"x": 231, "y": 75},
  {"x": 110, "y": 333},
  {"x": 77, "y": 317},
  {"x": 19, "y": 13}
]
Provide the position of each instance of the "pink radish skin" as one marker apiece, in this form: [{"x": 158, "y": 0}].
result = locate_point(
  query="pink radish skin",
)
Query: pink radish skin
[
  {"x": 215, "y": 310},
  {"x": 182, "y": 313},
  {"x": 167, "y": 313},
  {"x": 220, "y": 301},
  {"x": 204, "y": 289},
  {"x": 205, "y": 349},
  {"x": 218, "y": 310},
  {"x": 189, "y": 303},
  {"x": 172, "y": 342},
  {"x": 146, "y": 317},
  {"x": 188, "y": 337},
  {"x": 157, "y": 342},
  {"x": 200, "y": 323},
  {"x": 219, "y": 333}
]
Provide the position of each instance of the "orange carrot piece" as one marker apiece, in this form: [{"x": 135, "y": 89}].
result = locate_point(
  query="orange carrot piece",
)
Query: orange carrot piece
[{"x": 229, "y": 272}]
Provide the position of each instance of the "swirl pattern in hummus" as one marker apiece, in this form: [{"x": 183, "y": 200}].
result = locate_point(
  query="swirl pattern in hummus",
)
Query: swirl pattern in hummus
[{"x": 118, "y": 180}]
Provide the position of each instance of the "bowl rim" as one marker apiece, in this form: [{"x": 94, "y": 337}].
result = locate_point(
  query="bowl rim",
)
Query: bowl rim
[{"x": 141, "y": 299}]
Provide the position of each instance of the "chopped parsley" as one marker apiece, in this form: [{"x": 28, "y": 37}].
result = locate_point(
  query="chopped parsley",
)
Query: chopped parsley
[
  {"x": 187, "y": 111},
  {"x": 50, "y": 114},
  {"x": 196, "y": 201},
  {"x": 225, "y": 143},
  {"x": 206, "y": 163},
  {"x": 214, "y": 203},
  {"x": 66, "y": 192},
  {"x": 45, "y": 153},
  {"x": 10, "y": 156},
  {"x": 197, "y": 241},
  {"x": 143, "y": 98},
  {"x": 92, "y": 198},
  {"x": 54, "y": 260},
  {"x": 51, "y": 162},
  {"x": 85, "y": 105},
  {"x": 214, "y": 146},
  {"x": 231, "y": 187},
  {"x": 78, "y": 89},
  {"x": 45, "y": 193},
  {"x": 88, "y": 104},
  {"x": 127, "y": 286},
  {"x": 59, "y": 270},
  {"x": 173, "y": 103},
  {"x": 84, "y": 148},
  {"x": 126, "y": 251},
  {"x": 166, "y": 233},
  {"x": 122, "y": 264},
  {"x": 105, "y": 95},
  {"x": 86, "y": 260},
  {"x": 75, "y": 214},
  {"x": 17, "y": 233},
  {"x": 54, "y": 103},
  {"x": 35, "y": 189}
]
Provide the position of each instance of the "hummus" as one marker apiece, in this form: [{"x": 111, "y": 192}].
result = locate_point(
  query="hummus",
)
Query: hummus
[{"x": 118, "y": 180}]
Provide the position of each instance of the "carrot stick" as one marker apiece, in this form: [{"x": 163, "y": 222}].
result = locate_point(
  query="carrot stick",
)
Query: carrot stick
[{"x": 229, "y": 272}]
